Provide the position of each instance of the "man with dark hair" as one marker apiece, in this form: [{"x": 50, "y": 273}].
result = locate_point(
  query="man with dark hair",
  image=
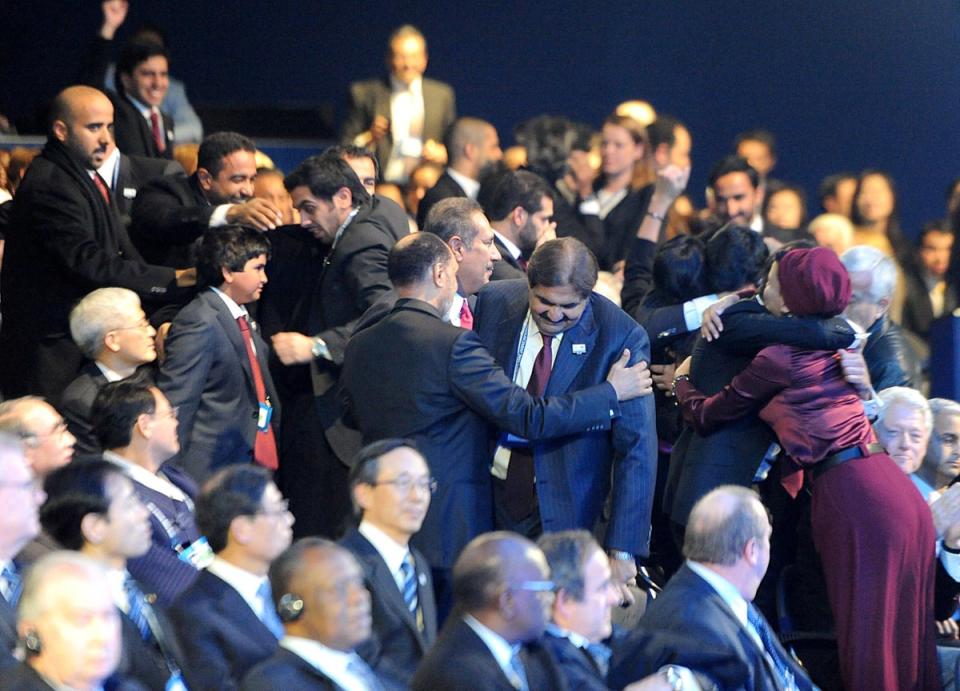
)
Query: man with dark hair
[
  {"x": 215, "y": 371},
  {"x": 836, "y": 193},
  {"x": 759, "y": 148},
  {"x": 64, "y": 240},
  {"x": 474, "y": 149},
  {"x": 412, "y": 375},
  {"x": 670, "y": 142},
  {"x": 364, "y": 163},
  {"x": 92, "y": 507},
  {"x": 391, "y": 487},
  {"x": 171, "y": 213},
  {"x": 137, "y": 427},
  {"x": 403, "y": 117},
  {"x": 352, "y": 239},
  {"x": 736, "y": 257},
  {"x": 928, "y": 296},
  {"x": 226, "y": 619},
  {"x": 736, "y": 192},
  {"x": 521, "y": 213},
  {"x": 554, "y": 336},
  {"x": 319, "y": 593},
  {"x": 502, "y": 590},
  {"x": 707, "y": 604}
]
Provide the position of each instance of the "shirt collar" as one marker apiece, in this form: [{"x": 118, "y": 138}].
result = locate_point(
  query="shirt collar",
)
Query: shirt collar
[
  {"x": 236, "y": 311},
  {"x": 511, "y": 248},
  {"x": 246, "y": 583},
  {"x": 572, "y": 636},
  {"x": 343, "y": 227},
  {"x": 142, "y": 476},
  {"x": 470, "y": 186},
  {"x": 415, "y": 87},
  {"x": 327, "y": 660},
  {"x": 725, "y": 589},
  {"x": 144, "y": 109},
  {"x": 392, "y": 552},
  {"x": 500, "y": 648},
  {"x": 453, "y": 316},
  {"x": 108, "y": 171},
  {"x": 109, "y": 374}
]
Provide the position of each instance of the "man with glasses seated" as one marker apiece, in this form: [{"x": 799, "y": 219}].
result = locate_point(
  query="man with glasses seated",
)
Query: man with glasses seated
[
  {"x": 47, "y": 443},
  {"x": 112, "y": 331},
  {"x": 391, "y": 488},
  {"x": 502, "y": 596},
  {"x": 137, "y": 428}
]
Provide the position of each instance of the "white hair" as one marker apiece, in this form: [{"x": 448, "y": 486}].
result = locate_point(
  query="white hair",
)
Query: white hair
[
  {"x": 908, "y": 397},
  {"x": 943, "y": 405},
  {"x": 884, "y": 269},
  {"x": 103, "y": 310},
  {"x": 47, "y": 572}
]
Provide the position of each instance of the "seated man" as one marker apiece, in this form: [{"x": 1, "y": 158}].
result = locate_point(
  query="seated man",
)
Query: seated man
[
  {"x": 138, "y": 430},
  {"x": 903, "y": 426},
  {"x": 113, "y": 333},
  {"x": 391, "y": 492},
  {"x": 47, "y": 443},
  {"x": 92, "y": 508},
  {"x": 226, "y": 618},
  {"x": 941, "y": 465},
  {"x": 70, "y": 642},
  {"x": 320, "y": 597},
  {"x": 502, "y": 591}
]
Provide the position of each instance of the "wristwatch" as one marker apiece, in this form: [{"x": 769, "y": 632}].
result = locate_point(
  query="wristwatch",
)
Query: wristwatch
[
  {"x": 620, "y": 555},
  {"x": 320, "y": 349}
]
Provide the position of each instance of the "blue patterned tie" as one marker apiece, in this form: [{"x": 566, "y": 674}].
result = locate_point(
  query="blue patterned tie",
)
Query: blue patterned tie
[
  {"x": 773, "y": 650},
  {"x": 12, "y": 584},
  {"x": 519, "y": 676},
  {"x": 139, "y": 609},
  {"x": 409, "y": 585},
  {"x": 269, "y": 616}
]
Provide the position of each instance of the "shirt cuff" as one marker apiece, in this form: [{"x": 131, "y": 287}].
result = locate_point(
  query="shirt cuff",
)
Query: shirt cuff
[
  {"x": 590, "y": 207},
  {"x": 219, "y": 216},
  {"x": 950, "y": 561},
  {"x": 693, "y": 310}
]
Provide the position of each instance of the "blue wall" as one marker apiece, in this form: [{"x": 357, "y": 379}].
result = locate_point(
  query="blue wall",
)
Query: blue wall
[{"x": 845, "y": 85}]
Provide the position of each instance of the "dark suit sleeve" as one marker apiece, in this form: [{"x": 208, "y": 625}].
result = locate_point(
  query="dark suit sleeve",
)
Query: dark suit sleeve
[
  {"x": 190, "y": 352},
  {"x": 637, "y": 273},
  {"x": 158, "y": 216},
  {"x": 478, "y": 381},
  {"x": 75, "y": 408},
  {"x": 748, "y": 327},
  {"x": 205, "y": 667},
  {"x": 359, "y": 114},
  {"x": 93, "y": 72}
]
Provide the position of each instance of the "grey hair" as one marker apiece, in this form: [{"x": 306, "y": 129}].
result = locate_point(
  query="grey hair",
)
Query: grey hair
[
  {"x": 908, "y": 397},
  {"x": 101, "y": 311},
  {"x": 883, "y": 268}
]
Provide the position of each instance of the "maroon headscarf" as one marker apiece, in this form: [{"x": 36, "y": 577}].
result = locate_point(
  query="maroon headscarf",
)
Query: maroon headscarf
[{"x": 813, "y": 282}]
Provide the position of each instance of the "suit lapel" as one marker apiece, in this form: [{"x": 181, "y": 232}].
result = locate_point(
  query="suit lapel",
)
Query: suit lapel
[
  {"x": 567, "y": 363},
  {"x": 512, "y": 323},
  {"x": 232, "y": 329}
]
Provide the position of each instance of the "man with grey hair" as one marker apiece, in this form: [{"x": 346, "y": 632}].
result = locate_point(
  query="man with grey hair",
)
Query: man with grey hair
[
  {"x": 873, "y": 277},
  {"x": 111, "y": 330},
  {"x": 941, "y": 464},
  {"x": 503, "y": 594},
  {"x": 727, "y": 546},
  {"x": 69, "y": 641},
  {"x": 903, "y": 427},
  {"x": 474, "y": 150}
]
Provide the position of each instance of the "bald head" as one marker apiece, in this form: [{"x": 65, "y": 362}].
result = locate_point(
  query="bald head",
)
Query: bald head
[
  {"x": 492, "y": 561},
  {"x": 473, "y": 147},
  {"x": 82, "y": 120},
  {"x": 721, "y": 523}
]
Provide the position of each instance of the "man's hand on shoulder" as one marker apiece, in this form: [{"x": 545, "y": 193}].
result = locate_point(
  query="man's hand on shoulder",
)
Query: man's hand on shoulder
[
  {"x": 258, "y": 213},
  {"x": 630, "y": 382}
]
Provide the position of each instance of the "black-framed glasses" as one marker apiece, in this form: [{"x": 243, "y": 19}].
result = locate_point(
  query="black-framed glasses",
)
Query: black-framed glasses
[{"x": 403, "y": 484}]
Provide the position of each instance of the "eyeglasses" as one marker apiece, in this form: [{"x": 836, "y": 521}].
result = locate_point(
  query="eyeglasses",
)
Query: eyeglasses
[
  {"x": 534, "y": 586},
  {"x": 59, "y": 429},
  {"x": 141, "y": 325},
  {"x": 403, "y": 484},
  {"x": 282, "y": 509}
]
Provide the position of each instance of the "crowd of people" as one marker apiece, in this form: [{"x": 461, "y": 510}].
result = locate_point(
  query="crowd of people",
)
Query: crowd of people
[{"x": 426, "y": 413}]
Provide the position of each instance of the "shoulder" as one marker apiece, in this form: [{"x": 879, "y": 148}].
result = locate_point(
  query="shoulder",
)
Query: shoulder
[
  {"x": 368, "y": 87},
  {"x": 437, "y": 86}
]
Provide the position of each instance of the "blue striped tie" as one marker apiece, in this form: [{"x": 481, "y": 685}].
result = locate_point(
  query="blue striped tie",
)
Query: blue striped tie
[
  {"x": 12, "y": 584},
  {"x": 409, "y": 585},
  {"x": 773, "y": 651},
  {"x": 138, "y": 607}
]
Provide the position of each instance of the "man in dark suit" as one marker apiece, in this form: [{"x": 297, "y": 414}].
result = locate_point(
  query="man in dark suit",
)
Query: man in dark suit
[
  {"x": 92, "y": 508},
  {"x": 320, "y": 596},
  {"x": 64, "y": 240},
  {"x": 474, "y": 149},
  {"x": 170, "y": 214},
  {"x": 404, "y": 117},
  {"x": 353, "y": 239},
  {"x": 364, "y": 163},
  {"x": 563, "y": 484},
  {"x": 226, "y": 619},
  {"x": 928, "y": 295},
  {"x": 113, "y": 333},
  {"x": 492, "y": 642},
  {"x": 413, "y": 376},
  {"x": 138, "y": 430},
  {"x": 125, "y": 175},
  {"x": 216, "y": 371},
  {"x": 391, "y": 491},
  {"x": 709, "y": 599},
  {"x": 521, "y": 214},
  {"x": 19, "y": 524}
]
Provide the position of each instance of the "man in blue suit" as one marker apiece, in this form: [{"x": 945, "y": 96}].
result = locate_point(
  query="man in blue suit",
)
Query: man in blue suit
[{"x": 561, "y": 484}]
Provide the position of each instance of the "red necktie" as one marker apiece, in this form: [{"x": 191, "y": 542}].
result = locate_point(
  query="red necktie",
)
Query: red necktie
[
  {"x": 522, "y": 263},
  {"x": 520, "y": 489},
  {"x": 265, "y": 445},
  {"x": 158, "y": 138},
  {"x": 466, "y": 316},
  {"x": 102, "y": 188}
]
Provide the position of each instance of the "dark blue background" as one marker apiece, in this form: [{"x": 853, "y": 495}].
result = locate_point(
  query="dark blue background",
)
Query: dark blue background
[{"x": 845, "y": 85}]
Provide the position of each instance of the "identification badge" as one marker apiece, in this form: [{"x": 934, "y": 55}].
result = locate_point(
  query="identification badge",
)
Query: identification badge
[
  {"x": 175, "y": 683},
  {"x": 198, "y": 554},
  {"x": 263, "y": 419}
]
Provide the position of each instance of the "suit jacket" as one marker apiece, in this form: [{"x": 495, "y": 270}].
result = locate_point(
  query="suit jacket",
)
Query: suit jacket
[
  {"x": 371, "y": 98},
  {"x": 75, "y": 406},
  {"x": 889, "y": 357},
  {"x": 412, "y": 375},
  {"x": 691, "y": 608},
  {"x": 143, "y": 661},
  {"x": 207, "y": 375},
  {"x": 575, "y": 474},
  {"x": 62, "y": 243},
  {"x": 132, "y": 174},
  {"x": 8, "y": 633},
  {"x": 507, "y": 267},
  {"x": 287, "y": 670},
  {"x": 575, "y": 664},
  {"x": 461, "y": 661},
  {"x": 732, "y": 454},
  {"x": 221, "y": 636},
  {"x": 444, "y": 188},
  {"x": 398, "y": 640},
  {"x": 917, "y": 308},
  {"x": 168, "y": 216},
  {"x": 22, "y": 677}
]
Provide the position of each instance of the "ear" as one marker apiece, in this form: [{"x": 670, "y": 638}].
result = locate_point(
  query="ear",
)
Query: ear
[
  {"x": 469, "y": 151},
  {"x": 662, "y": 155},
  {"x": 144, "y": 425},
  {"x": 205, "y": 179},
  {"x": 343, "y": 197},
  {"x": 884, "y": 305},
  {"x": 439, "y": 274},
  {"x": 519, "y": 216},
  {"x": 751, "y": 551},
  {"x": 240, "y": 530},
  {"x": 227, "y": 275},
  {"x": 362, "y": 495},
  {"x": 110, "y": 341},
  {"x": 61, "y": 131},
  {"x": 457, "y": 247},
  {"x": 92, "y": 527},
  {"x": 505, "y": 601},
  {"x": 126, "y": 80}
]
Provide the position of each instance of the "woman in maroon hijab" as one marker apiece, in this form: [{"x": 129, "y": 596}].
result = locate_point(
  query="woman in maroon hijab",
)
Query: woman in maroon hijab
[{"x": 875, "y": 536}]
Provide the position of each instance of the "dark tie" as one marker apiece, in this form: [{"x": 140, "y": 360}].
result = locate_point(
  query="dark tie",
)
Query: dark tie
[
  {"x": 519, "y": 489},
  {"x": 13, "y": 585},
  {"x": 600, "y": 654},
  {"x": 772, "y": 649},
  {"x": 102, "y": 188},
  {"x": 270, "y": 618},
  {"x": 139, "y": 609},
  {"x": 522, "y": 263},
  {"x": 155, "y": 126},
  {"x": 265, "y": 445},
  {"x": 466, "y": 316}
]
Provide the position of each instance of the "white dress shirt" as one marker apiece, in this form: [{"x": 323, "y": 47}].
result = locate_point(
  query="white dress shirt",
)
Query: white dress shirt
[
  {"x": 246, "y": 583},
  {"x": 470, "y": 186},
  {"x": 392, "y": 552},
  {"x": 328, "y": 661}
]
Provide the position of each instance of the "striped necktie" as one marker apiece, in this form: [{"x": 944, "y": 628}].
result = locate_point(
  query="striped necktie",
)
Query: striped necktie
[
  {"x": 138, "y": 609},
  {"x": 409, "y": 585},
  {"x": 12, "y": 584}
]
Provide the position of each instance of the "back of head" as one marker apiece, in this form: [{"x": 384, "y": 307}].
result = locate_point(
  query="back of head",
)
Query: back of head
[
  {"x": 412, "y": 258},
  {"x": 735, "y": 257},
  {"x": 679, "y": 268},
  {"x": 227, "y": 247},
  {"x": 73, "y": 491},
  {"x": 866, "y": 259},
  {"x": 51, "y": 569},
  {"x": 721, "y": 524},
  {"x": 813, "y": 282},
  {"x": 517, "y": 189},
  {"x": 287, "y": 572},
  {"x": 732, "y": 164},
  {"x": 232, "y": 492},
  {"x": 484, "y": 568},
  {"x": 563, "y": 262},
  {"x": 567, "y": 553},
  {"x": 663, "y": 130},
  {"x": 324, "y": 175},
  {"x": 462, "y": 132},
  {"x": 453, "y": 216},
  {"x": 103, "y": 310},
  {"x": 116, "y": 409},
  {"x": 217, "y": 146}
]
